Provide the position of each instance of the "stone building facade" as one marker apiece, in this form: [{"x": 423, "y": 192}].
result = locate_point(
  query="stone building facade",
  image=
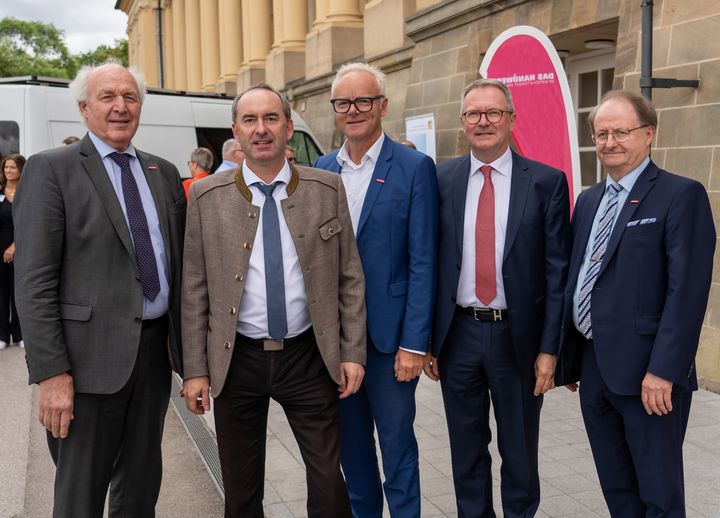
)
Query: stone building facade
[{"x": 430, "y": 49}]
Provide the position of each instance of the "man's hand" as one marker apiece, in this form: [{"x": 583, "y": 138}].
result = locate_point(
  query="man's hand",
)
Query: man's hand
[
  {"x": 351, "y": 376},
  {"x": 572, "y": 387},
  {"x": 196, "y": 392},
  {"x": 55, "y": 403},
  {"x": 656, "y": 394},
  {"x": 9, "y": 254},
  {"x": 544, "y": 373},
  {"x": 431, "y": 367},
  {"x": 408, "y": 366}
]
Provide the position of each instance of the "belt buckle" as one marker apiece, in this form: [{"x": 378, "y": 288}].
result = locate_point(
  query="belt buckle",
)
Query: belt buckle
[
  {"x": 476, "y": 314},
  {"x": 272, "y": 345},
  {"x": 497, "y": 315}
]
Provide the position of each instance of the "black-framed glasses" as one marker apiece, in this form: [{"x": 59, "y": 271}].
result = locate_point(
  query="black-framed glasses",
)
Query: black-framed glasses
[
  {"x": 362, "y": 104},
  {"x": 493, "y": 116},
  {"x": 619, "y": 135}
]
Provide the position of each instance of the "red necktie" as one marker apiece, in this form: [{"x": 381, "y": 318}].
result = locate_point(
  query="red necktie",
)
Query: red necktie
[{"x": 485, "y": 284}]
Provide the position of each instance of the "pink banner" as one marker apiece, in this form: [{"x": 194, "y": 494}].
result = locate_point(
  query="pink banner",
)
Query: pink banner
[{"x": 525, "y": 60}]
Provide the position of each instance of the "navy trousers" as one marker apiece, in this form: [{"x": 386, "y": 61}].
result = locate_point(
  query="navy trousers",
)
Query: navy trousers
[
  {"x": 638, "y": 456},
  {"x": 477, "y": 365}
]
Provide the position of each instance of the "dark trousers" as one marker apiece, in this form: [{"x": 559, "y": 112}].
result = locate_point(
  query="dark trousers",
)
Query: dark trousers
[
  {"x": 296, "y": 378},
  {"x": 9, "y": 323},
  {"x": 638, "y": 456},
  {"x": 388, "y": 405},
  {"x": 478, "y": 365},
  {"x": 115, "y": 439}
]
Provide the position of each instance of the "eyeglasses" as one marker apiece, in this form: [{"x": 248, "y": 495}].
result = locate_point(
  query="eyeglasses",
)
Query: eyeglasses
[
  {"x": 492, "y": 116},
  {"x": 362, "y": 104},
  {"x": 618, "y": 135},
  {"x": 291, "y": 159}
]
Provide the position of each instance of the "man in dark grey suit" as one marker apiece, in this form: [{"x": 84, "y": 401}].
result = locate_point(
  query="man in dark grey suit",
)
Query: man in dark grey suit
[{"x": 99, "y": 231}]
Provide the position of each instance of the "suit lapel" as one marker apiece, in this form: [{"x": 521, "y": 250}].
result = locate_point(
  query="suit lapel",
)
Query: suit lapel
[
  {"x": 519, "y": 184},
  {"x": 643, "y": 184},
  {"x": 155, "y": 180},
  {"x": 583, "y": 217},
  {"x": 459, "y": 182},
  {"x": 93, "y": 164},
  {"x": 382, "y": 167}
]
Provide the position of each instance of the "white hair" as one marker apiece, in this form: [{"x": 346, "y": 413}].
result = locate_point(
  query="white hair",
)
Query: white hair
[
  {"x": 374, "y": 71},
  {"x": 79, "y": 85}
]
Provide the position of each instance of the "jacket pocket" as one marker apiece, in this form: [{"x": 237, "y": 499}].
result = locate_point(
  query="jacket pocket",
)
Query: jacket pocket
[
  {"x": 75, "y": 312},
  {"x": 329, "y": 229},
  {"x": 398, "y": 289},
  {"x": 647, "y": 325}
]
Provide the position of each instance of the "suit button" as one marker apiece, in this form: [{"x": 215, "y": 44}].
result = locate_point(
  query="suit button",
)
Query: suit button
[
  {"x": 247, "y": 245},
  {"x": 251, "y": 215},
  {"x": 301, "y": 236},
  {"x": 232, "y": 310},
  {"x": 307, "y": 268},
  {"x": 331, "y": 231},
  {"x": 227, "y": 345},
  {"x": 239, "y": 277}
]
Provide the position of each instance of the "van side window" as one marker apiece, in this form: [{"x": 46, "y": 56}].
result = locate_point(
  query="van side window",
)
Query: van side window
[
  {"x": 307, "y": 150},
  {"x": 9, "y": 138}
]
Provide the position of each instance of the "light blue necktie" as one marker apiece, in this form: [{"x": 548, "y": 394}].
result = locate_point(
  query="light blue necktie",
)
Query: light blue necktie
[
  {"x": 274, "y": 272},
  {"x": 600, "y": 242}
]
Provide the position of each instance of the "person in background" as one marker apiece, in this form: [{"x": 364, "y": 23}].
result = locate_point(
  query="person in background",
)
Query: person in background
[
  {"x": 409, "y": 144},
  {"x": 290, "y": 154},
  {"x": 70, "y": 140},
  {"x": 233, "y": 155},
  {"x": 200, "y": 163},
  {"x": 10, "y": 170}
]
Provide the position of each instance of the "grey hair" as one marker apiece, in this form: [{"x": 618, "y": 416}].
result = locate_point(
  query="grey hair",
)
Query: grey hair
[
  {"x": 287, "y": 109},
  {"x": 79, "y": 86},
  {"x": 374, "y": 71},
  {"x": 203, "y": 157},
  {"x": 489, "y": 83},
  {"x": 229, "y": 146},
  {"x": 643, "y": 107}
]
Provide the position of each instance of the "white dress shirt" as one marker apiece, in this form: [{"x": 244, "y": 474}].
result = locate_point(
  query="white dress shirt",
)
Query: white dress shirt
[
  {"x": 501, "y": 176},
  {"x": 356, "y": 178},
  {"x": 252, "y": 313},
  {"x": 151, "y": 308}
]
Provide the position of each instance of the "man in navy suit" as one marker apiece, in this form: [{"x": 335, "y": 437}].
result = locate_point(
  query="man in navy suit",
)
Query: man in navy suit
[
  {"x": 503, "y": 255},
  {"x": 392, "y": 195},
  {"x": 637, "y": 290}
]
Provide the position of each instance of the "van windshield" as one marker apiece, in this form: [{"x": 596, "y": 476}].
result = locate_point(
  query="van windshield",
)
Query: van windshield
[{"x": 9, "y": 138}]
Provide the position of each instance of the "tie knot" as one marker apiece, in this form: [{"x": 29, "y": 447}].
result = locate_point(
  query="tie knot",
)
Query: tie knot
[
  {"x": 121, "y": 159},
  {"x": 614, "y": 189},
  {"x": 267, "y": 190},
  {"x": 486, "y": 170}
]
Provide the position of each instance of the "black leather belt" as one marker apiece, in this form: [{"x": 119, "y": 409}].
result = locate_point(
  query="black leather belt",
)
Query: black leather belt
[
  {"x": 147, "y": 324},
  {"x": 268, "y": 344},
  {"x": 484, "y": 314}
]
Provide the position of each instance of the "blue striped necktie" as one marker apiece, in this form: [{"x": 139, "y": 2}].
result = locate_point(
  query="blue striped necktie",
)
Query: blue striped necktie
[{"x": 600, "y": 242}]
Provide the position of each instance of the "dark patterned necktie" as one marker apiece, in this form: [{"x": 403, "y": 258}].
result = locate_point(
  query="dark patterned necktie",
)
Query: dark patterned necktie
[
  {"x": 144, "y": 253},
  {"x": 274, "y": 271}
]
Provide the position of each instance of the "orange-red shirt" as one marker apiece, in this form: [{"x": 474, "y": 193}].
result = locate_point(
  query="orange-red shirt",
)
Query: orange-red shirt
[{"x": 186, "y": 183}]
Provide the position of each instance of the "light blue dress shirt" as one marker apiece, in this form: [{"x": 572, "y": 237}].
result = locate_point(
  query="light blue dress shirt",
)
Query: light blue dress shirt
[
  {"x": 158, "y": 307},
  {"x": 626, "y": 183}
]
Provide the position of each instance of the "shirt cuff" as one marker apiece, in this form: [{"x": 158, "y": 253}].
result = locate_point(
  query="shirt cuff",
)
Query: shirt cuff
[{"x": 413, "y": 351}]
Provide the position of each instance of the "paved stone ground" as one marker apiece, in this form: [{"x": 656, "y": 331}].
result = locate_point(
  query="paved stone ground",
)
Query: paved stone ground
[{"x": 569, "y": 483}]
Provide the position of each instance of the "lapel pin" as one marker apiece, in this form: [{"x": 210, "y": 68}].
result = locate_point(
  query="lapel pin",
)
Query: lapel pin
[
  {"x": 152, "y": 168},
  {"x": 379, "y": 180},
  {"x": 634, "y": 202}
]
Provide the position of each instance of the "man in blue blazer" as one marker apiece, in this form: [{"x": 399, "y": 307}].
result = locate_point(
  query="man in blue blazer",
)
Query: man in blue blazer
[
  {"x": 637, "y": 290},
  {"x": 392, "y": 195},
  {"x": 503, "y": 255}
]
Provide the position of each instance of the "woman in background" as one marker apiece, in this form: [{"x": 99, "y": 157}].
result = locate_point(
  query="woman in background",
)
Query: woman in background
[{"x": 10, "y": 171}]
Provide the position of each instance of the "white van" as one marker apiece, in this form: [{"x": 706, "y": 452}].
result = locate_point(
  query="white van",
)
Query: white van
[{"x": 38, "y": 113}]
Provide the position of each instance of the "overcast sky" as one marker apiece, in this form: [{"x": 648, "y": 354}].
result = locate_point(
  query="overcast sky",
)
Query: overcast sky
[{"x": 86, "y": 23}]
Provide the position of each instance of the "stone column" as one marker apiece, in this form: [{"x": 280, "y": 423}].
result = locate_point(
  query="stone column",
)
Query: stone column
[
  {"x": 286, "y": 61},
  {"x": 168, "y": 46},
  {"x": 386, "y": 18},
  {"x": 231, "y": 45},
  {"x": 337, "y": 36},
  {"x": 209, "y": 44},
  {"x": 193, "y": 45},
  {"x": 179, "y": 50},
  {"x": 257, "y": 38},
  {"x": 141, "y": 31}
]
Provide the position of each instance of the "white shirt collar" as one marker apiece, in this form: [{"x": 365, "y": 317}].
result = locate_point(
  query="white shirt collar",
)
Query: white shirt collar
[
  {"x": 105, "y": 149},
  {"x": 250, "y": 178},
  {"x": 502, "y": 165},
  {"x": 372, "y": 154}
]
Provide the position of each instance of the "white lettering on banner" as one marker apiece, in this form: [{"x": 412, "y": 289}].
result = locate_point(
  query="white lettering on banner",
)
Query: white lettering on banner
[{"x": 528, "y": 79}]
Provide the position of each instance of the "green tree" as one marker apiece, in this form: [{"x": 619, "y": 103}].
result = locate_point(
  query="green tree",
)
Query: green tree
[
  {"x": 101, "y": 54},
  {"x": 33, "y": 48}
]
